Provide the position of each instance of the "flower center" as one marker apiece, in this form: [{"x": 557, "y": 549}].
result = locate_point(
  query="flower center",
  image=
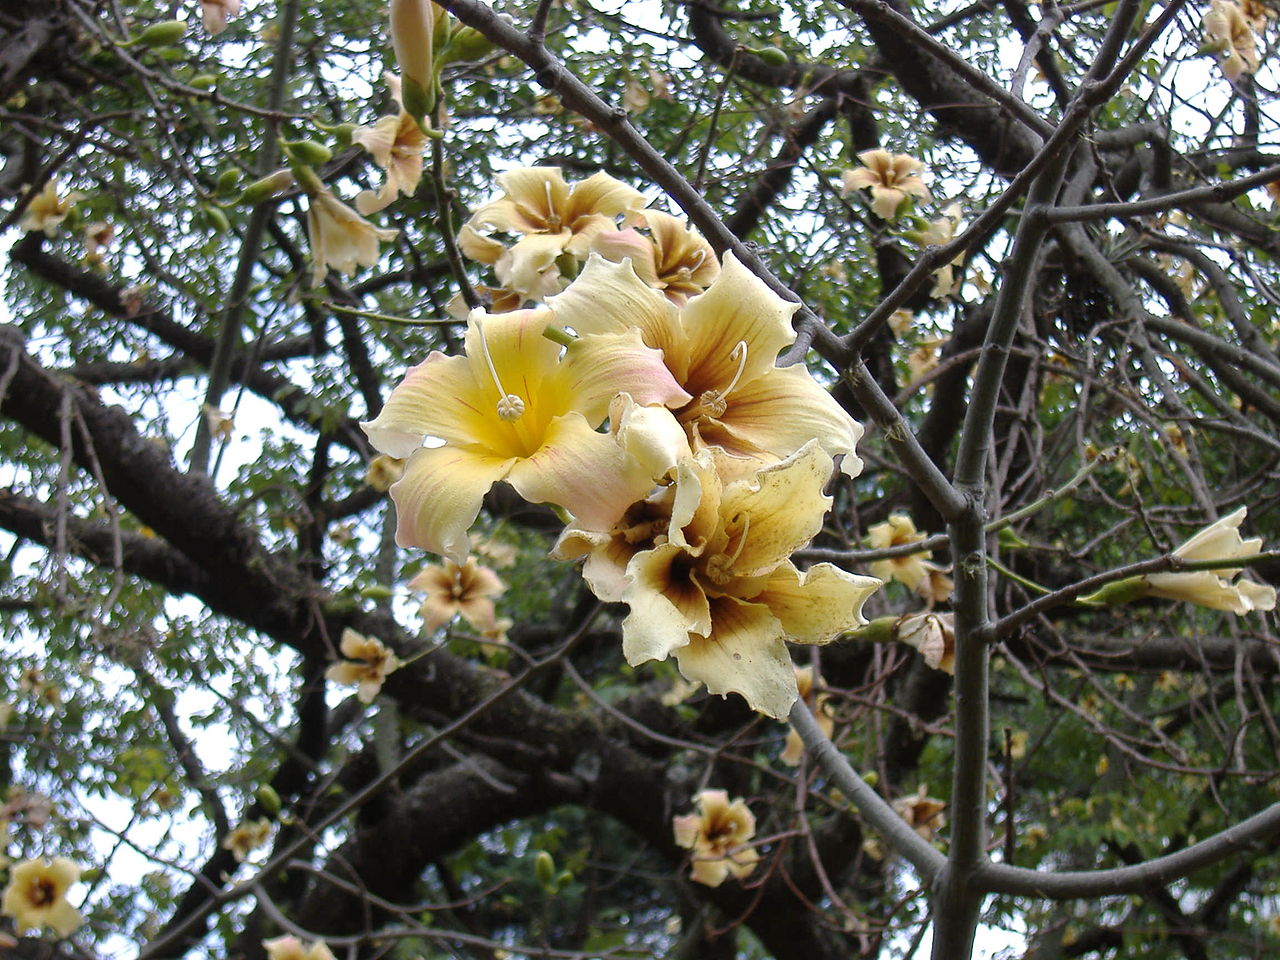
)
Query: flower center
[
  {"x": 510, "y": 406},
  {"x": 553, "y": 216},
  {"x": 712, "y": 404},
  {"x": 43, "y": 893},
  {"x": 720, "y": 567}
]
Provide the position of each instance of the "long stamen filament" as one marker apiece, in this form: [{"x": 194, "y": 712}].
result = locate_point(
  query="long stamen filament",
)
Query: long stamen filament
[
  {"x": 741, "y": 351},
  {"x": 510, "y": 406},
  {"x": 742, "y": 540}
]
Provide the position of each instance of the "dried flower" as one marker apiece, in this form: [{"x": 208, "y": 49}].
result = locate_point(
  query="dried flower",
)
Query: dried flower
[{"x": 923, "y": 813}]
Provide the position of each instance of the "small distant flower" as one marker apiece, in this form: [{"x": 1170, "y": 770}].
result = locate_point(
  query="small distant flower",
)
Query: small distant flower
[
  {"x": 895, "y": 532},
  {"x": 924, "y": 358},
  {"x": 1273, "y": 191},
  {"x": 716, "y": 834},
  {"x": 36, "y": 896},
  {"x": 900, "y": 321},
  {"x": 935, "y": 587},
  {"x": 501, "y": 555},
  {"x": 793, "y": 749},
  {"x": 934, "y": 637},
  {"x": 891, "y": 177},
  {"x": 216, "y": 13},
  {"x": 366, "y": 667},
  {"x": 451, "y": 588},
  {"x": 923, "y": 813},
  {"x": 397, "y": 144},
  {"x": 47, "y": 209},
  {"x": 496, "y": 632},
  {"x": 383, "y": 471},
  {"x": 340, "y": 237},
  {"x": 1227, "y": 32},
  {"x": 97, "y": 237},
  {"x": 291, "y": 948},
  {"x": 222, "y": 425},
  {"x": 246, "y": 838}
]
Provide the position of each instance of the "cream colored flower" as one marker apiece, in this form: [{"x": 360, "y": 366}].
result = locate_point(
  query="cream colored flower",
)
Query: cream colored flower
[
  {"x": 1220, "y": 540},
  {"x": 291, "y": 948},
  {"x": 97, "y": 237},
  {"x": 717, "y": 834},
  {"x": 717, "y": 592},
  {"x": 721, "y": 347},
  {"x": 924, "y": 358},
  {"x": 47, "y": 209},
  {"x": 413, "y": 28},
  {"x": 246, "y": 838},
  {"x": 542, "y": 439},
  {"x": 923, "y": 813},
  {"x": 900, "y": 321},
  {"x": 1227, "y": 32},
  {"x": 397, "y": 144},
  {"x": 898, "y": 531},
  {"x": 215, "y": 14},
  {"x": 934, "y": 637},
  {"x": 935, "y": 586},
  {"x": 674, "y": 258},
  {"x": 793, "y": 749},
  {"x": 891, "y": 177},
  {"x": 340, "y": 237},
  {"x": 500, "y": 555},
  {"x": 36, "y": 896},
  {"x": 383, "y": 471},
  {"x": 366, "y": 667},
  {"x": 468, "y": 589},
  {"x": 551, "y": 218}
]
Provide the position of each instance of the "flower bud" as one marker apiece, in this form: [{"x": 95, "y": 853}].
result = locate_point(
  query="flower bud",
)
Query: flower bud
[
  {"x": 413, "y": 27},
  {"x": 307, "y": 151},
  {"x": 268, "y": 187},
  {"x": 772, "y": 56},
  {"x": 467, "y": 43},
  {"x": 268, "y": 799},
  {"x": 226, "y": 181},
  {"x": 215, "y": 218},
  {"x": 203, "y": 81},
  {"x": 161, "y": 34},
  {"x": 544, "y": 869}
]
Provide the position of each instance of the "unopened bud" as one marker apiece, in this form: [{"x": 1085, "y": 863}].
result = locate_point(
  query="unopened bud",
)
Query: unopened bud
[
  {"x": 307, "y": 151},
  {"x": 160, "y": 34},
  {"x": 215, "y": 218},
  {"x": 227, "y": 180},
  {"x": 268, "y": 799},
  {"x": 467, "y": 43},
  {"x": 268, "y": 187},
  {"x": 203, "y": 81},
  {"x": 771, "y": 55},
  {"x": 544, "y": 868}
]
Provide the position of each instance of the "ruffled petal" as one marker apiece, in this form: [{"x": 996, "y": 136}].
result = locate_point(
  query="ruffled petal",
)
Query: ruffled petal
[
  {"x": 601, "y": 194},
  {"x": 619, "y": 245},
  {"x": 598, "y": 367},
  {"x": 440, "y": 495},
  {"x": 818, "y": 604},
  {"x": 743, "y": 654},
  {"x": 529, "y": 266},
  {"x": 668, "y": 606}
]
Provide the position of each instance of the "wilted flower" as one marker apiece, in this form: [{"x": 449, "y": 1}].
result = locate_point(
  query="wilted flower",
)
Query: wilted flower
[
  {"x": 340, "y": 237},
  {"x": 451, "y": 588},
  {"x": 366, "y": 667},
  {"x": 793, "y": 749},
  {"x": 923, "y": 813},
  {"x": 215, "y": 14},
  {"x": 897, "y": 531},
  {"x": 674, "y": 258},
  {"x": 721, "y": 348},
  {"x": 1212, "y": 588},
  {"x": 1227, "y": 32},
  {"x": 716, "y": 834},
  {"x": 47, "y": 209},
  {"x": 934, "y": 637},
  {"x": 291, "y": 948},
  {"x": 397, "y": 144},
  {"x": 36, "y": 896},
  {"x": 551, "y": 217},
  {"x": 924, "y": 358},
  {"x": 891, "y": 177},
  {"x": 717, "y": 591},
  {"x": 542, "y": 440},
  {"x": 246, "y": 838}
]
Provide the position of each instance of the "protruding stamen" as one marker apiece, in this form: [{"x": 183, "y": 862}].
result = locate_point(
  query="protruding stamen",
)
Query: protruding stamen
[
  {"x": 510, "y": 406},
  {"x": 741, "y": 351},
  {"x": 697, "y": 257},
  {"x": 720, "y": 567},
  {"x": 553, "y": 218}
]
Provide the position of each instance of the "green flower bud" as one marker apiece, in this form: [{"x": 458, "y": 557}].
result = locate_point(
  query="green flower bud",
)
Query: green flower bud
[
  {"x": 203, "y": 81},
  {"x": 227, "y": 180},
  {"x": 160, "y": 34},
  {"x": 215, "y": 218},
  {"x": 467, "y": 43},
  {"x": 376, "y": 591},
  {"x": 1010, "y": 540},
  {"x": 544, "y": 869},
  {"x": 267, "y": 187},
  {"x": 879, "y": 630},
  {"x": 268, "y": 799},
  {"x": 1122, "y": 591},
  {"x": 771, "y": 55},
  {"x": 307, "y": 151}
]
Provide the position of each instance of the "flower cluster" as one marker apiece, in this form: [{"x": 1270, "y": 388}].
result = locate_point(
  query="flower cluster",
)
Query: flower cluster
[{"x": 710, "y": 474}]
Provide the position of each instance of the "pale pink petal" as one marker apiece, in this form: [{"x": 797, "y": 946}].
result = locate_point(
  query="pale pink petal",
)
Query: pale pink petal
[{"x": 440, "y": 495}]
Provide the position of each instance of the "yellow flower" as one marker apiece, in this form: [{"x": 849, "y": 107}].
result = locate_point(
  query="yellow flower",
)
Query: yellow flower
[
  {"x": 924, "y": 358},
  {"x": 1213, "y": 588},
  {"x": 291, "y": 948},
  {"x": 246, "y": 838},
  {"x": 47, "y": 209},
  {"x": 935, "y": 586},
  {"x": 939, "y": 233},
  {"x": 36, "y": 896},
  {"x": 397, "y": 144},
  {"x": 451, "y": 588},
  {"x": 721, "y": 348},
  {"x": 541, "y": 438},
  {"x": 793, "y": 749},
  {"x": 923, "y": 813},
  {"x": 897, "y": 531},
  {"x": 674, "y": 258},
  {"x": 215, "y": 14},
  {"x": 717, "y": 835},
  {"x": 340, "y": 237},
  {"x": 891, "y": 177},
  {"x": 366, "y": 667},
  {"x": 1227, "y": 32},
  {"x": 97, "y": 237},
  {"x": 717, "y": 590},
  {"x": 552, "y": 217},
  {"x": 934, "y": 637},
  {"x": 383, "y": 471}
]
